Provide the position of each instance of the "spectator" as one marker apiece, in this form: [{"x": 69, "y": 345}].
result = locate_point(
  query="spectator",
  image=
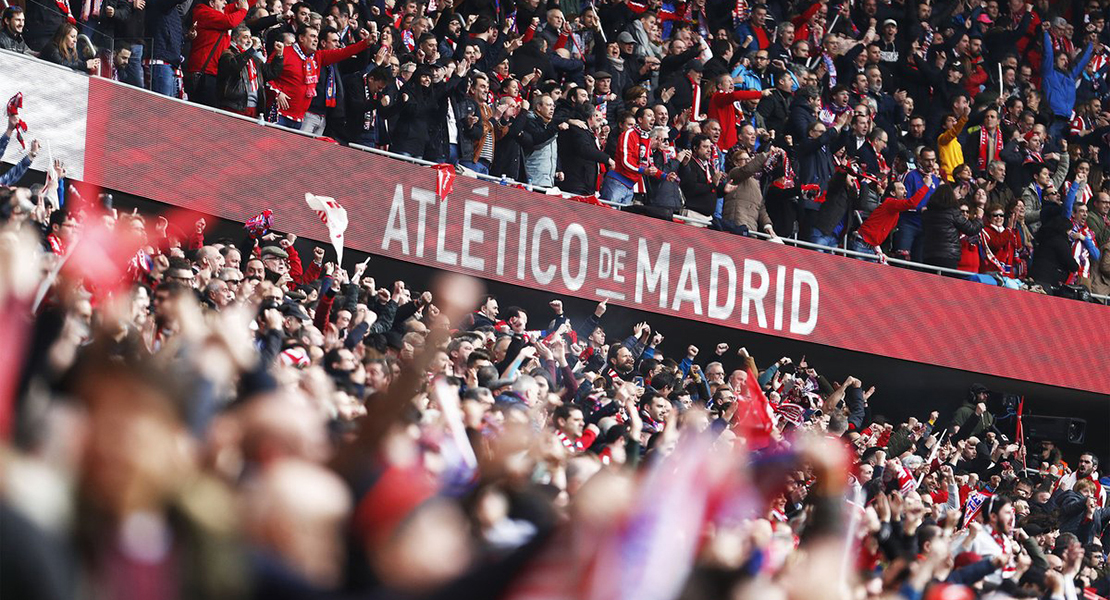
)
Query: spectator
[
  {"x": 242, "y": 74},
  {"x": 580, "y": 156},
  {"x": 12, "y": 22},
  {"x": 213, "y": 20},
  {"x": 62, "y": 50},
  {"x": 296, "y": 86},
  {"x": 941, "y": 225},
  {"x": 744, "y": 209},
  {"x": 541, "y": 142}
]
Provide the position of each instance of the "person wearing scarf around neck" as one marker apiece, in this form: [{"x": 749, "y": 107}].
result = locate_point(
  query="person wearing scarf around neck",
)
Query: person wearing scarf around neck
[
  {"x": 241, "y": 78},
  {"x": 293, "y": 90}
]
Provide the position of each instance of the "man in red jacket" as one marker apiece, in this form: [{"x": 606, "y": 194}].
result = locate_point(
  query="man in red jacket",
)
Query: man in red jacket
[
  {"x": 870, "y": 236},
  {"x": 294, "y": 89},
  {"x": 722, "y": 108},
  {"x": 213, "y": 23},
  {"x": 633, "y": 160}
]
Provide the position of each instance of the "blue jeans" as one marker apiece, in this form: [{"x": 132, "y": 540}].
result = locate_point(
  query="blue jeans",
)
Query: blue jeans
[
  {"x": 476, "y": 167},
  {"x": 858, "y": 245},
  {"x": 616, "y": 192},
  {"x": 163, "y": 80},
  {"x": 909, "y": 238},
  {"x": 818, "y": 237},
  {"x": 287, "y": 122},
  {"x": 453, "y": 154}
]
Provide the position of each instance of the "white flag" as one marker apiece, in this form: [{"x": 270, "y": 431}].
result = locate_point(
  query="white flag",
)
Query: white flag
[{"x": 334, "y": 216}]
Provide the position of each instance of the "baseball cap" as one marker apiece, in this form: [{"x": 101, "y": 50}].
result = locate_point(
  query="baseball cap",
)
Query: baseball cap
[
  {"x": 626, "y": 38},
  {"x": 695, "y": 65},
  {"x": 890, "y": 22}
]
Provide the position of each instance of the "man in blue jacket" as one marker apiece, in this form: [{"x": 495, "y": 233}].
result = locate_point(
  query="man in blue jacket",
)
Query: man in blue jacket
[{"x": 1059, "y": 83}]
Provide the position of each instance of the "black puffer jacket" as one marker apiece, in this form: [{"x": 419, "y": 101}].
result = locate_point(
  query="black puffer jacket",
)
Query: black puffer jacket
[
  {"x": 1052, "y": 259},
  {"x": 942, "y": 228}
]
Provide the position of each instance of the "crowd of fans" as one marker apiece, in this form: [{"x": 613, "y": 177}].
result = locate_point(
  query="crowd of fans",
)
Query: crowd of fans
[
  {"x": 188, "y": 415},
  {"x": 837, "y": 123}
]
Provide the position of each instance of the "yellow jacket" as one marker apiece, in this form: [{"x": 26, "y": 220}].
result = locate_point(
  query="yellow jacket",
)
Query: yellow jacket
[{"x": 949, "y": 152}]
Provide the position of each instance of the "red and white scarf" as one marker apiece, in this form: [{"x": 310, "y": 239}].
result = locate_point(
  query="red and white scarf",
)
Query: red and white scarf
[
  {"x": 695, "y": 109},
  {"x": 311, "y": 71},
  {"x": 252, "y": 73},
  {"x": 89, "y": 7},
  {"x": 63, "y": 6},
  {"x": 1081, "y": 255},
  {"x": 985, "y": 155}
]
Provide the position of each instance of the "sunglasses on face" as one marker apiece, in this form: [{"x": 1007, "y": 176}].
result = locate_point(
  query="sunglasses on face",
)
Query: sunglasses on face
[{"x": 997, "y": 215}]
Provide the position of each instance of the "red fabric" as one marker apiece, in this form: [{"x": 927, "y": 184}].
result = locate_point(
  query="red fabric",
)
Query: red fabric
[
  {"x": 296, "y": 269},
  {"x": 721, "y": 109},
  {"x": 323, "y": 311},
  {"x": 632, "y": 153},
  {"x": 882, "y": 220},
  {"x": 969, "y": 255},
  {"x": 213, "y": 29},
  {"x": 291, "y": 80},
  {"x": 754, "y": 420},
  {"x": 196, "y": 240},
  {"x": 1003, "y": 244}
]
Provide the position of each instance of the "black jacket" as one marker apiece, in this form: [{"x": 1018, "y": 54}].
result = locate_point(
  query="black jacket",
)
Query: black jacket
[
  {"x": 942, "y": 229},
  {"x": 51, "y": 53},
  {"x": 579, "y": 157},
  {"x": 232, "y": 78},
  {"x": 43, "y": 19},
  {"x": 508, "y": 154},
  {"x": 1052, "y": 258},
  {"x": 163, "y": 26},
  {"x": 13, "y": 43},
  {"x": 701, "y": 194},
  {"x": 468, "y": 135},
  {"x": 417, "y": 116},
  {"x": 840, "y": 198}
]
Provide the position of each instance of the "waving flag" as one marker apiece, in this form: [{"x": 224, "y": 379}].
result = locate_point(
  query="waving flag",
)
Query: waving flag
[
  {"x": 14, "y": 104},
  {"x": 334, "y": 216},
  {"x": 975, "y": 501},
  {"x": 260, "y": 224},
  {"x": 754, "y": 421},
  {"x": 445, "y": 179}
]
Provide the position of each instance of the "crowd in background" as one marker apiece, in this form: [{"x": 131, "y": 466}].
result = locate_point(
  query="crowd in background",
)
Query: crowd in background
[
  {"x": 838, "y": 123},
  {"x": 194, "y": 415}
]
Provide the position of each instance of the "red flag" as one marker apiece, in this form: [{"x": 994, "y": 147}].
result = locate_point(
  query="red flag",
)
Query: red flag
[
  {"x": 445, "y": 179},
  {"x": 14, "y": 104},
  {"x": 754, "y": 420},
  {"x": 1019, "y": 433}
]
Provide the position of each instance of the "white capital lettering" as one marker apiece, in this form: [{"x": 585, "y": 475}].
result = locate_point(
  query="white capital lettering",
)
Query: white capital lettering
[
  {"x": 543, "y": 225},
  {"x": 503, "y": 216},
  {"x": 716, "y": 261},
  {"x": 688, "y": 288},
  {"x": 396, "y": 226},
  {"x": 573, "y": 283},
  {"x": 655, "y": 277},
  {"x": 472, "y": 235},
  {"x": 803, "y": 277},
  {"x": 754, "y": 295},
  {"x": 424, "y": 199}
]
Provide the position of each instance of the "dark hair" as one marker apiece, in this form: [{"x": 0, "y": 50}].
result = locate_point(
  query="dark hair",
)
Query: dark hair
[
  {"x": 944, "y": 198},
  {"x": 326, "y": 30},
  {"x": 58, "y": 217},
  {"x": 381, "y": 74},
  {"x": 303, "y": 29},
  {"x": 11, "y": 11},
  {"x": 563, "y": 412},
  {"x": 481, "y": 25}
]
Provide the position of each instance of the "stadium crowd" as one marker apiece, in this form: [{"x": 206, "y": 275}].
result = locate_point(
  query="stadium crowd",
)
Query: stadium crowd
[
  {"x": 837, "y": 123},
  {"x": 186, "y": 415}
]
